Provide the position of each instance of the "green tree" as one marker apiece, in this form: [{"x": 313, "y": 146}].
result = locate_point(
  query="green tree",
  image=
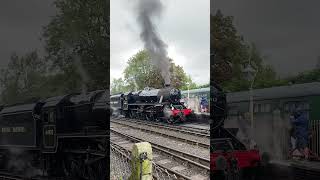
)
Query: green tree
[
  {"x": 23, "y": 78},
  {"x": 118, "y": 86},
  {"x": 77, "y": 38},
  {"x": 77, "y": 53},
  {"x": 230, "y": 54},
  {"x": 305, "y": 77},
  {"x": 140, "y": 73}
]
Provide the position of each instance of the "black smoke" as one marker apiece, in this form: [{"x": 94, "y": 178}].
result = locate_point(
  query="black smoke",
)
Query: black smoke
[{"x": 147, "y": 11}]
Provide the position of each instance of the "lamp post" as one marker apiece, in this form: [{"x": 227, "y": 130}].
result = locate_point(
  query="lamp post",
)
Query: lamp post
[
  {"x": 188, "y": 84},
  {"x": 250, "y": 74}
]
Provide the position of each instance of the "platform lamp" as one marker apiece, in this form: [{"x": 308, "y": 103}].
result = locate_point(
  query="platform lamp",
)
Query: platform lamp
[
  {"x": 188, "y": 85},
  {"x": 250, "y": 74}
]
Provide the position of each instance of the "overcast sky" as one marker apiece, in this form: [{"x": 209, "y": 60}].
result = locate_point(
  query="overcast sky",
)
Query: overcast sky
[
  {"x": 21, "y": 25},
  {"x": 286, "y": 31},
  {"x": 184, "y": 27}
]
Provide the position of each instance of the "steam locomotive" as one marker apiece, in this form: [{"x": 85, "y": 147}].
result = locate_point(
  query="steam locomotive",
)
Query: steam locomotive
[
  {"x": 59, "y": 136},
  {"x": 152, "y": 105},
  {"x": 228, "y": 155}
]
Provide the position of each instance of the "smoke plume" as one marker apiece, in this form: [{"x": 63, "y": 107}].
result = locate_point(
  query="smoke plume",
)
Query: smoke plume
[
  {"x": 82, "y": 72},
  {"x": 76, "y": 59},
  {"x": 147, "y": 10}
]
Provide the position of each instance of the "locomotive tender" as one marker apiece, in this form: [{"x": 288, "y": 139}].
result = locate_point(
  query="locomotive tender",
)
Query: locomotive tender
[
  {"x": 59, "y": 136},
  {"x": 152, "y": 105}
]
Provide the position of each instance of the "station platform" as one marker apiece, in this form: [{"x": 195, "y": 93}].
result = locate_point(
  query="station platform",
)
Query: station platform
[
  {"x": 197, "y": 125},
  {"x": 202, "y": 118},
  {"x": 306, "y": 170},
  {"x": 294, "y": 169}
]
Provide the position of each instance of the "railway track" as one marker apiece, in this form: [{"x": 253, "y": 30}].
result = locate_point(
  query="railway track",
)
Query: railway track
[
  {"x": 159, "y": 130},
  {"x": 8, "y": 176},
  {"x": 179, "y": 128},
  {"x": 306, "y": 170},
  {"x": 5, "y": 175},
  {"x": 177, "y": 163},
  {"x": 165, "y": 141}
]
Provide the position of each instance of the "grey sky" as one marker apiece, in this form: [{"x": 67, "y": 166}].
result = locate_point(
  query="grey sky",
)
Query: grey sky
[
  {"x": 21, "y": 25},
  {"x": 285, "y": 31},
  {"x": 184, "y": 26}
]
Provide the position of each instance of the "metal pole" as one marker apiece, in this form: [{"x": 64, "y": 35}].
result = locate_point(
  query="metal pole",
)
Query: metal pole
[
  {"x": 188, "y": 93},
  {"x": 251, "y": 105},
  {"x": 188, "y": 97},
  {"x": 251, "y": 112}
]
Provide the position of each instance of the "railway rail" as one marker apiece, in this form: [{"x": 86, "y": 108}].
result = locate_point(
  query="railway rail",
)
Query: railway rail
[
  {"x": 4, "y": 175},
  {"x": 179, "y": 128},
  {"x": 306, "y": 170},
  {"x": 159, "y": 130},
  {"x": 180, "y": 164},
  {"x": 8, "y": 176},
  {"x": 163, "y": 140}
]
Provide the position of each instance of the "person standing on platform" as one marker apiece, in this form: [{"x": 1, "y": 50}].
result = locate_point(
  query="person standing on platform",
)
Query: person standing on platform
[
  {"x": 300, "y": 123},
  {"x": 204, "y": 104}
]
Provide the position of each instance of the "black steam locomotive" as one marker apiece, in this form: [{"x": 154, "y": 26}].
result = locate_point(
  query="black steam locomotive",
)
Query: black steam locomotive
[
  {"x": 152, "y": 105},
  {"x": 58, "y": 136}
]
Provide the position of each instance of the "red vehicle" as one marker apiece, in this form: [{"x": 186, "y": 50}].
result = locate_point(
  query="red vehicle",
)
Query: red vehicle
[
  {"x": 179, "y": 112},
  {"x": 229, "y": 157}
]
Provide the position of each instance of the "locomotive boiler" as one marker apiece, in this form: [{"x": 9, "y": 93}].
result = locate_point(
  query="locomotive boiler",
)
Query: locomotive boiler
[
  {"x": 152, "y": 105},
  {"x": 59, "y": 136}
]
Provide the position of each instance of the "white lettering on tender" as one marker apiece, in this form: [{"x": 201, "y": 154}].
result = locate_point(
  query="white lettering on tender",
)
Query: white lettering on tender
[
  {"x": 18, "y": 129},
  {"x": 5, "y": 130},
  {"x": 13, "y": 129},
  {"x": 49, "y": 132}
]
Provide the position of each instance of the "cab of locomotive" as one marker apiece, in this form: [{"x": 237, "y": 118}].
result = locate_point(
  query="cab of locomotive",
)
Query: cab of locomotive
[
  {"x": 52, "y": 118},
  {"x": 219, "y": 104}
]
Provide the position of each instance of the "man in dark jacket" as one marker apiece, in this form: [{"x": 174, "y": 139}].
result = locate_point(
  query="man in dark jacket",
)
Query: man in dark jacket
[
  {"x": 204, "y": 104},
  {"x": 300, "y": 123}
]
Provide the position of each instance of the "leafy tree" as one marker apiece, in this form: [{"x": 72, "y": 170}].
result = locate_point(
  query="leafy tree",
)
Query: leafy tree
[
  {"x": 225, "y": 46},
  {"x": 230, "y": 54},
  {"x": 23, "y": 79},
  {"x": 305, "y": 77},
  {"x": 203, "y": 86},
  {"x": 118, "y": 86},
  {"x": 140, "y": 73},
  {"x": 77, "y": 53},
  {"x": 77, "y": 38}
]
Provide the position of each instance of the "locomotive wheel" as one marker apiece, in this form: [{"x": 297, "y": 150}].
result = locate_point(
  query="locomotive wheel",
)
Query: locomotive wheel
[
  {"x": 149, "y": 117},
  {"x": 182, "y": 117},
  {"x": 171, "y": 120},
  {"x": 131, "y": 115},
  {"x": 157, "y": 119},
  {"x": 97, "y": 170},
  {"x": 71, "y": 168},
  {"x": 79, "y": 170}
]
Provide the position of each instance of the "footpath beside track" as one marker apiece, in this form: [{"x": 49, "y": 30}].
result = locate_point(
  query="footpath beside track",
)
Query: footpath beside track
[{"x": 177, "y": 163}]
